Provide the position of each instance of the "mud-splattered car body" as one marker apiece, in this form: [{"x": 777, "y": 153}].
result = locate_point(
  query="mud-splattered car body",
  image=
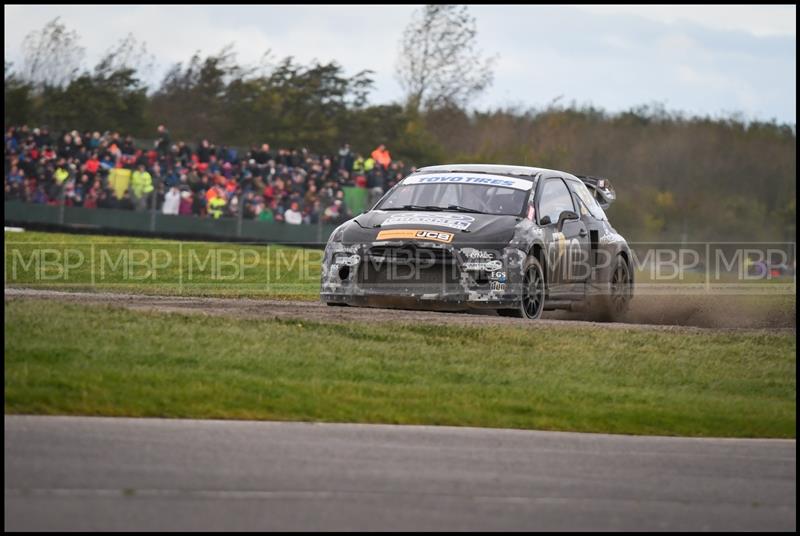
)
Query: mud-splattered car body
[{"x": 434, "y": 257}]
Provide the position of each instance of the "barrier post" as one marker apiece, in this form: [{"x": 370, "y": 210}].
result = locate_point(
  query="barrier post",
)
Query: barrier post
[
  {"x": 153, "y": 210},
  {"x": 63, "y": 203},
  {"x": 240, "y": 216}
]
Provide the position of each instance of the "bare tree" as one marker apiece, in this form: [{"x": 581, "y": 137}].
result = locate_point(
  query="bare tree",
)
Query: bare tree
[
  {"x": 439, "y": 63},
  {"x": 52, "y": 56}
]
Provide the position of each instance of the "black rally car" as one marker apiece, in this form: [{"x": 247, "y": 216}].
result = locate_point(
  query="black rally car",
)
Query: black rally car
[{"x": 516, "y": 239}]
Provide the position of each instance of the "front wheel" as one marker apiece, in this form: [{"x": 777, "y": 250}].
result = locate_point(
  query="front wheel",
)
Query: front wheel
[{"x": 533, "y": 292}]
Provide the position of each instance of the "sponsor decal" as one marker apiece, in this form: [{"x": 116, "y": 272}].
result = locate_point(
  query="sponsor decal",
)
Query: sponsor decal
[
  {"x": 476, "y": 254},
  {"x": 351, "y": 260},
  {"x": 531, "y": 212},
  {"x": 489, "y": 266},
  {"x": 417, "y": 234},
  {"x": 453, "y": 221},
  {"x": 561, "y": 241},
  {"x": 478, "y": 179},
  {"x": 497, "y": 286},
  {"x": 498, "y": 276}
]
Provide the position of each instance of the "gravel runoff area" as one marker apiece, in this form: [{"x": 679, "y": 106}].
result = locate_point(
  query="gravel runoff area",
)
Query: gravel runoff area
[{"x": 319, "y": 312}]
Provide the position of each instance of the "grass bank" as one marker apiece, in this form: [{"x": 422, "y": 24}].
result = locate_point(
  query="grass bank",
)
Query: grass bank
[{"x": 99, "y": 360}]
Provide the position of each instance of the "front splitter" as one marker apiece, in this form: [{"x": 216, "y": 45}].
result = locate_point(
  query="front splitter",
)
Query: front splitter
[{"x": 417, "y": 302}]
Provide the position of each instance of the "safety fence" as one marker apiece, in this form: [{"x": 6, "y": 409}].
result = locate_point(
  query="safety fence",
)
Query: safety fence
[{"x": 154, "y": 223}]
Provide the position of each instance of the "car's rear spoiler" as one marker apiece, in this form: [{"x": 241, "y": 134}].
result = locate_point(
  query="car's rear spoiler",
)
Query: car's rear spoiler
[{"x": 601, "y": 188}]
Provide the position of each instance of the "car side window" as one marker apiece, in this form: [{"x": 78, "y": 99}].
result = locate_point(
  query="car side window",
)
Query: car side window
[
  {"x": 582, "y": 210},
  {"x": 554, "y": 200}
]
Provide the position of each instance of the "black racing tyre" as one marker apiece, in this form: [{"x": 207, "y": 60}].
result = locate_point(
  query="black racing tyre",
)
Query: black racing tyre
[
  {"x": 534, "y": 291},
  {"x": 612, "y": 305}
]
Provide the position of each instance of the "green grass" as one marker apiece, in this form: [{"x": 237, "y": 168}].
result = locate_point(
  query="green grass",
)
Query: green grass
[
  {"x": 92, "y": 360},
  {"x": 154, "y": 266},
  {"x": 99, "y": 360}
]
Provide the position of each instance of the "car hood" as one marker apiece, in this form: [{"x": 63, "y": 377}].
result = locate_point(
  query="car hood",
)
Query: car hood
[{"x": 466, "y": 228}]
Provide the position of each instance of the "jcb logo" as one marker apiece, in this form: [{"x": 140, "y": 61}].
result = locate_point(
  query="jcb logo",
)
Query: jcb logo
[
  {"x": 419, "y": 234},
  {"x": 434, "y": 235}
]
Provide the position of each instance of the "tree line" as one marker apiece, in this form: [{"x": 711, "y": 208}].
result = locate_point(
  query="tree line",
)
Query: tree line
[{"x": 677, "y": 176}]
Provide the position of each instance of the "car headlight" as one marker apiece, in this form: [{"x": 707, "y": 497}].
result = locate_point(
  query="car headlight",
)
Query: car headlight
[{"x": 336, "y": 235}]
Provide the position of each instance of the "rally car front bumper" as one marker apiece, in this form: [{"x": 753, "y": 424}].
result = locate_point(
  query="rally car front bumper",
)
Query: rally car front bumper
[{"x": 416, "y": 274}]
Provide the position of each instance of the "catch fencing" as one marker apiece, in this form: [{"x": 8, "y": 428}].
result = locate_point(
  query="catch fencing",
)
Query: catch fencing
[{"x": 155, "y": 223}]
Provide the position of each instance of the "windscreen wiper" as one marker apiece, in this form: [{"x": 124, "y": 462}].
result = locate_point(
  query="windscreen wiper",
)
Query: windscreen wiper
[
  {"x": 416, "y": 207},
  {"x": 463, "y": 209},
  {"x": 436, "y": 208}
]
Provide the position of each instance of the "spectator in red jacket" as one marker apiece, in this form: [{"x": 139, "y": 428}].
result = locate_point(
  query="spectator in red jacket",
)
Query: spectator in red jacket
[{"x": 92, "y": 165}]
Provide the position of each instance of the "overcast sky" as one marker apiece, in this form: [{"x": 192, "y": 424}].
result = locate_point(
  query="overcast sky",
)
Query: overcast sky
[{"x": 713, "y": 60}]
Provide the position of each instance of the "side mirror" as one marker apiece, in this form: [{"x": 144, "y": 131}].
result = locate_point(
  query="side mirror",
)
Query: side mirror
[
  {"x": 545, "y": 220},
  {"x": 567, "y": 215}
]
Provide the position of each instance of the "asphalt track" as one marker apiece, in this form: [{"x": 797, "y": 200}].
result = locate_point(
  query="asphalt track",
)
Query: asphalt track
[{"x": 83, "y": 473}]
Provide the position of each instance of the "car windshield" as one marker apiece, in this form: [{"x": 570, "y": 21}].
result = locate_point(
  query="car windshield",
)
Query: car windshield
[{"x": 477, "y": 198}]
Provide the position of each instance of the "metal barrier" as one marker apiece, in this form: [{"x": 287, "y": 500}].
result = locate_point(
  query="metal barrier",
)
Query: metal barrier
[{"x": 153, "y": 222}]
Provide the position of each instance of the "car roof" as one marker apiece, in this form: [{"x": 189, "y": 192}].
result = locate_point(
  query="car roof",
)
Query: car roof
[{"x": 497, "y": 169}]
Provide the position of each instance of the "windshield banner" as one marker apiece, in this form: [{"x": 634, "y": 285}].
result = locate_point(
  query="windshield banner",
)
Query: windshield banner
[
  {"x": 463, "y": 178},
  {"x": 453, "y": 221}
]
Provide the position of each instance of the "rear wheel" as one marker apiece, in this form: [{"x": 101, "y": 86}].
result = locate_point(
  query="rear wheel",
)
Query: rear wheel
[
  {"x": 613, "y": 305},
  {"x": 533, "y": 292}
]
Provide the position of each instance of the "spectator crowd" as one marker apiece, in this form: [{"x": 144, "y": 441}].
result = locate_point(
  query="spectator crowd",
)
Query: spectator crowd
[{"x": 110, "y": 170}]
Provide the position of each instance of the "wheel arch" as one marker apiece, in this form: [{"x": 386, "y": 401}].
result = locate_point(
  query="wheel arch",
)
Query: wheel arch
[
  {"x": 625, "y": 253},
  {"x": 537, "y": 250}
]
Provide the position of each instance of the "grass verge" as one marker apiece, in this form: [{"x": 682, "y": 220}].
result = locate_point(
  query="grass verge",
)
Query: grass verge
[
  {"x": 165, "y": 267},
  {"x": 99, "y": 360}
]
